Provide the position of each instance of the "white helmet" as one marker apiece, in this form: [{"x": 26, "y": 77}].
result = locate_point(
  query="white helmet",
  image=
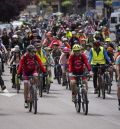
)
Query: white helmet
[
  {"x": 16, "y": 47},
  {"x": 15, "y": 36}
]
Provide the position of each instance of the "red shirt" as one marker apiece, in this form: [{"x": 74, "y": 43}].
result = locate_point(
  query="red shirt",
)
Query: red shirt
[
  {"x": 77, "y": 63},
  {"x": 31, "y": 66}
]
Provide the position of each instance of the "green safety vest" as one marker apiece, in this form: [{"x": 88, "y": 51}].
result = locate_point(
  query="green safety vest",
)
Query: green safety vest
[{"x": 98, "y": 58}]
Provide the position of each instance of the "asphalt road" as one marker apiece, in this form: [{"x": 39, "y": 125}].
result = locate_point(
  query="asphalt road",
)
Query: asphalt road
[{"x": 56, "y": 110}]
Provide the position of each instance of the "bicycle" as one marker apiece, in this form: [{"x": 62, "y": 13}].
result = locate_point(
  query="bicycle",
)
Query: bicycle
[
  {"x": 103, "y": 80},
  {"x": 32, "y": 101},
  {"x": 108, "y": 79},
  {"x": 66, "y": 78},
  {"x": 81, "y": 98},
  {"x": 40, "y": 85},
  {"x": 57, "y": 70}
]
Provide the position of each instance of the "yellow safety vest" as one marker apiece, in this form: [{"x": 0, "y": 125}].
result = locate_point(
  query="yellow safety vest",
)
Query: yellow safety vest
[
  {"x": 41, "y": 56},
  {"x": 98, "y": 58},
  {"x": 69, "y": 34}
]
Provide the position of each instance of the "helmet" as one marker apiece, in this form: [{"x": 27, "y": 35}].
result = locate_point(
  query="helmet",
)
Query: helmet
[
  {"x": 15, "y": 36},
  {"x": 48, "y": 48},
  {"x": 118, "y": 48},
  {"x": 73, "y": 32},
  {"x": 30, "y": 48},
  {"x": 16, "y": 47},
  {"x": 66, "y": 49},
  {"x": 76, "y": 47},
  {"x": 67, "y": 29},
  {"x": 16, "y": 50},
  {"x": 108, "y": 40},
  {"x": 76, "y": 41},
  {"x": 80, "y": 31},
  {"x": 55, "y": 43},
  {"x": 64, "y": 39}
]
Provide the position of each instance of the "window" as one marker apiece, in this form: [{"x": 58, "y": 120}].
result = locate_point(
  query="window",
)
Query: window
[{"x": 113, "y": 19}]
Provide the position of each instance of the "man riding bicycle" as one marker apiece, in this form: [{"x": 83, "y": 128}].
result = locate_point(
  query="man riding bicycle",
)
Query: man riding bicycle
[
  {"x": 28, "y": 67},
  {"x": 98, "y": 56},
  {"x": 77, "y": 62}
]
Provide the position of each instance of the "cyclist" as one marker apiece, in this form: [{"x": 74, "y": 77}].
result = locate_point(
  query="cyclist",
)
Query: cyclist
[
  {"x": 87, "y": 51},
  {"x": 68, "y": 33},
  {"x": 28, "y": 67},
  {"x": 40, "y": 52},
  {"x": 73, "y": 39},
  {"x": 76, "y": 63},
  {"x": 14, "y": 61},
  {"x": 49, "y": 62},
  {"x": 63, "y": 61},
  {"x": 56, "y": 53},
  {"x": 65, "y": 42},
  {"x": 98, "y": 55}
]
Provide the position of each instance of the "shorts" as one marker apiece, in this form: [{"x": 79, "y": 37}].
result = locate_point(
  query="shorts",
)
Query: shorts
[
  {"x": 75, "y": 78},
  {"x": 27, "y": 75}
]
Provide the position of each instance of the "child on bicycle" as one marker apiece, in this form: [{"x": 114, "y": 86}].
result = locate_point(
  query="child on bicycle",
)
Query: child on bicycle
[
  {"x": 13, "y": 62},
  {"x": 64, "y": 62}
]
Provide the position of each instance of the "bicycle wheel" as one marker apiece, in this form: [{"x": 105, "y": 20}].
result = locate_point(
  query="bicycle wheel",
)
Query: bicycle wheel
[
  {"x": 30, "y": 99},
  {"x": 84, "y": 102},
  {"x": 103, "y": 87},
  {"x": 99, "y": 85},
  {"x": 48, "y": 84},
  {"x": 59, "y": 79},
  {"x": 40, "y": 86},
  {"x": 78, "y": 103},
  {"x": 58, "y": 74},
  {"x": 34, "y": 101},
  {"x": 108, "y": 83},
  {"x": 30, "y": 106},
  {"x": 17, "y": 83}
]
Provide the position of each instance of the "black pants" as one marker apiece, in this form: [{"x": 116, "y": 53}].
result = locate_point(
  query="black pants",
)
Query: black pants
[
  {"x": 1, "y": 81},
  {"x": 95, "y": 71}
]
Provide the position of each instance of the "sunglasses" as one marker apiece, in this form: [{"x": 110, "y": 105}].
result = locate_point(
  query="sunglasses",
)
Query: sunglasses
[{"x": 75, "y": 51}]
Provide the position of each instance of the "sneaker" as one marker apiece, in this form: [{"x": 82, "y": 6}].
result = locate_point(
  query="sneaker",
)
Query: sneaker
[{"x": 26, "y": 105}]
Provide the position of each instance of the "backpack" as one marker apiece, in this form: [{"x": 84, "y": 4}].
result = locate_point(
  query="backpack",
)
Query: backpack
[
  {"x": 30, "y": 64},
  {"x": 81, "y": 60}
]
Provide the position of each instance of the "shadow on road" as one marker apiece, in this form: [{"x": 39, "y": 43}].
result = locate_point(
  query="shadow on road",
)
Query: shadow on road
[
  {"x": 45, "y": 113},
  {"x": 91, "y": 114}
]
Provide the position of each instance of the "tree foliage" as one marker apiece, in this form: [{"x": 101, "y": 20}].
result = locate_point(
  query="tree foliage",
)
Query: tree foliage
[{"x": 9, "y": 9}]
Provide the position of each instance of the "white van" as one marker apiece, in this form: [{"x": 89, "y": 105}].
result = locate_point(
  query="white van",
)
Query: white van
[{"x": 114, "y": 20}]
